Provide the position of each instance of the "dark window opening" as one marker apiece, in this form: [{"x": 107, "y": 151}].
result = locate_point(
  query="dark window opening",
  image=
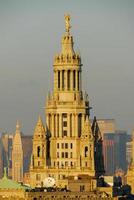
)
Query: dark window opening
[
  {"x": 58, "y": 79},
  {"x": 86, "y": 151},
  {"x": 38, "y": 151}
]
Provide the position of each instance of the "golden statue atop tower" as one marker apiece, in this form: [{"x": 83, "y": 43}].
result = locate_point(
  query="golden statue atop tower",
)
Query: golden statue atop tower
[{"x": 67, "y": 23}]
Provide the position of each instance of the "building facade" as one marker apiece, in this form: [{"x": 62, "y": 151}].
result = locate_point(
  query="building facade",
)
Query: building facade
[{"x": 68, "y": 145}]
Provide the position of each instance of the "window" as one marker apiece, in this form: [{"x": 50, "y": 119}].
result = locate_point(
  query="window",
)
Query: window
[
  {"x": 65, "y": 124},
  {"x": 71, "y": 154},
  {"x": 62, "y": 154},
  {"x": 39, "y": 163},
  {"x": 38, "y": 177},
  {"x": 85, "y": 164},
  {"x": 66, "y": 145},
  {"x": 38, "y": 151},
  {"x": 62, "y": 145},
  {"x": 63, "y": 176},
  {"x": 68, "y": 79},
  {"x": 58, "y": 155},
  {"x": 58, "y": 145},
  {"x": 82, "y": 188},
  {"x": 66, "y": 163},
  {"x": 66, "y": 154},
  {"x": 86, "y": 151},
  {"x": 64, "y": 115},
  {"x": 71, "y": 145},
  {"x": 62, "y": 165},
  {"x": 64, "y": 133},
  {"x": 79, "y": 124}
]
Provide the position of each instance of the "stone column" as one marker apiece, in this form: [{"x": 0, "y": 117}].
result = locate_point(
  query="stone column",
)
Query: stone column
[
  {"x": 56, "y": 125},
  {"x": 76, "y": 125},
  {"x": 71, "y": 79},
  {"x": 80, "y": 83},
  {"x": 73, "y": 125},
  {"x": 83, "y": 121},
  {"x": 52, "y": 126},
  {"x": 66, "y": 81},
  {"x": 76, "y": 80},
  {"x": 68, "y": 124},
  {"x": 47, "y": 120}
]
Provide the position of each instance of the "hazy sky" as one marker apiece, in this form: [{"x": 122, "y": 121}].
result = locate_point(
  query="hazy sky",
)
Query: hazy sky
[{"x": 30, "y": 34}]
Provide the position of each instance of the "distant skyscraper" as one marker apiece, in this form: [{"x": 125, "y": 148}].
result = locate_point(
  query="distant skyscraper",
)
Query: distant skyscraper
[
  {"x": 27, "y": 150},
  {"x": 6, "y": 148},
  {"x": 106, "y": 126},
  {"x": 114, "y": 151},
  {"x": 129, "y": 149},
  {"x": 109, "y": 155},
  {"x": 17, "y": 156},
  {"x": 130, "y": 172},
  {"x": 1, "y": 160}
]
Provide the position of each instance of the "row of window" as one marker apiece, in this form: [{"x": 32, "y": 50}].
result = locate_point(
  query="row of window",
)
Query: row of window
[
  {"x": 64, "y": 155},
  {"x": 65, "y": 145},
  {"x": 64, "y": 164},
  {"x": 60, "y": 176}
]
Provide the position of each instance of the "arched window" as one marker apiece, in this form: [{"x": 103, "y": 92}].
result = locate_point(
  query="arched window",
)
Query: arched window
[
  {"x": 38, "y": 151},
  {"x": 86, "y": 151}
]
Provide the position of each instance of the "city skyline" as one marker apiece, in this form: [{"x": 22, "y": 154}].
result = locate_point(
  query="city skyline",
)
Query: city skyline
[{"x": 28, "y": 45}]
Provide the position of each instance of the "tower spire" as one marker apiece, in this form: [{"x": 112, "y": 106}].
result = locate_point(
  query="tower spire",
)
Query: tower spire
[
  {"x": 17, "y": 126},
  {"x": 17, "y": 155}
]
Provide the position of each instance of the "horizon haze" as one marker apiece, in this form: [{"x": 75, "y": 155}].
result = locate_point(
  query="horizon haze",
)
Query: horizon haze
[{"x": 30, "y": 36}]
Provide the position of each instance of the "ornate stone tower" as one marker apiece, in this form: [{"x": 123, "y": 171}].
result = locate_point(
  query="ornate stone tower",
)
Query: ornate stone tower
[
  {"x": 17, "y": 156},
  {"x": 38, "y": 158},
  {"x": 66, "y": 111},
  {"x": 67, "y": 148}
]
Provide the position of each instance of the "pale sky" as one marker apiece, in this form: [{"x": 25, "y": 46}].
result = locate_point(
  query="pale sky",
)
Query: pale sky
[{"x": 30, "y": 35}]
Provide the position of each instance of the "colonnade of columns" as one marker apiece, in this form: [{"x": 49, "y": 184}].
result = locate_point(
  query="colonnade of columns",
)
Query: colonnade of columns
[
  {"x": 75, "y": 123},
  {"x": 67, "y": 80}
]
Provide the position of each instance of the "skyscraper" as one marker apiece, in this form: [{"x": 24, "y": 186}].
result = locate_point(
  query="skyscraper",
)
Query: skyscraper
[
  {"x": 68, "y": 145},
  {"x": 114, "y": 150},
  {"x": 130, "y": 172},
  {"x": 17, "y": 156}
]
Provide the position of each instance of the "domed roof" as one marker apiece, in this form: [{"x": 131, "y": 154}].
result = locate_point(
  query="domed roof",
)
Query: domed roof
[{"x": 6, "y": 183}]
